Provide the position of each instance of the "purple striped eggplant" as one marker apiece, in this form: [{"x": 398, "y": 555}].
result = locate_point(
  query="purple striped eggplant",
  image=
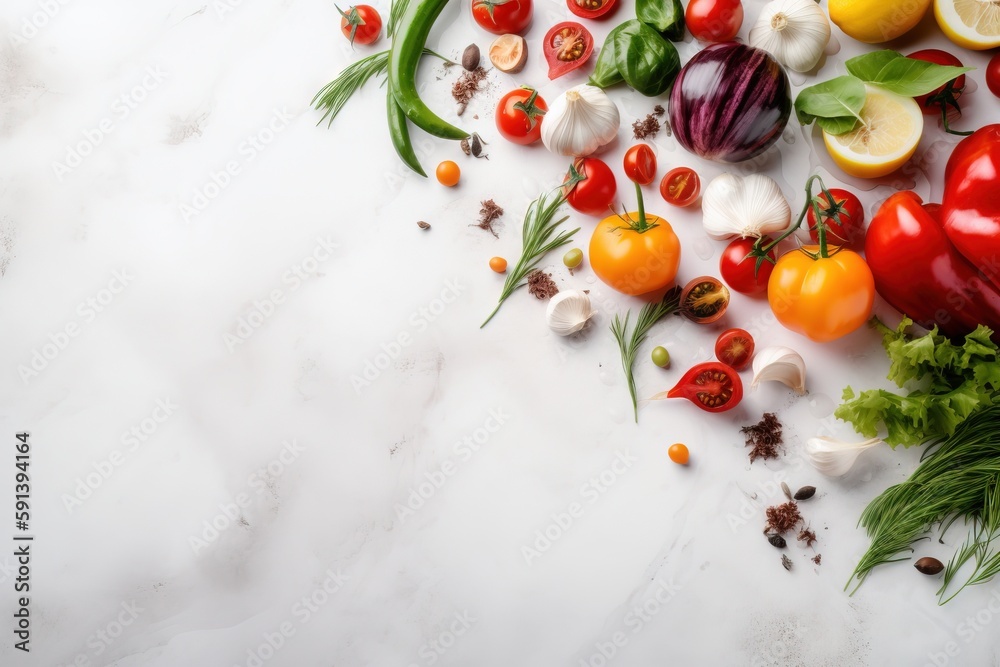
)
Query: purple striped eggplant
[{"x": 730, "y": 102}]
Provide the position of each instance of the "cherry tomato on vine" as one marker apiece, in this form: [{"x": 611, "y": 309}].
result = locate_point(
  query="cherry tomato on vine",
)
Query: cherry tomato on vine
[
  {"x": 640, "y": 164},
  {"x": 993, "y": 74},
  {"x": 567, "y": 46},
  {"x": 679, "y": 453},
  {"x": 503, "y": 16},
  {"x": 361, "y": 24},
  {"x": 850, "y": 231},
  {"x": 591, "y": 9},
  {"x": 942, "y": 99},
  {"x": 519, "y": 116},
  {"x": 712, "y": 386},
  {"x": 714, "y": 20},
  {"x": 737, "y": 268},
  {"x": 822, "y": 298},
  {"x": 734, "y": 347},
  {"x": 595, "y": 194},
  {"x": 680, "y": 186}
]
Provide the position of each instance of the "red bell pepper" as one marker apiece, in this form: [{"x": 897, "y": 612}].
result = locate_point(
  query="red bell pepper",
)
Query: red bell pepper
[
  {"x": 970, "y": 210},
  {"x": 920, "y": 273}
]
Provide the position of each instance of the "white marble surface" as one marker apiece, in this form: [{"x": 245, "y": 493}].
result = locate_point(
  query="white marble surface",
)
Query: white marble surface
[{"x": 230, "y": 407}]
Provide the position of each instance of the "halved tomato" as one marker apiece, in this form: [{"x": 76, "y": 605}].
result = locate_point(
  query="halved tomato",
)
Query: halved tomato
[
  {"x": 591, "y": 9},
  {"x": 712, "y": 386},
  {"x": 567, "y": 46}
]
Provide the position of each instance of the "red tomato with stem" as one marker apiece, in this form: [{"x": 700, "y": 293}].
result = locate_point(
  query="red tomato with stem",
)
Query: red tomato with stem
[
  {"x": 640, "y": 164},
  {"x": 944, "y": 98},
  {"x": 592, "y": 9},
  {"x": 993, "y": 74},
  {"x": 361, "y": 24},
  {"x": 712, "y": 386},
  {"x": 680, "y": 186},
  {"x": 734, "y": 347},
  {"x": 567, "y": 46},
  {"x": 595, "y": 194},
  {"x": 503, "y": 16},
  {"x": 738, "y": 269},
  {"x": 519, "y": 116},
  {"x": 849, "y": 230},
  {"x": 714, "y": 20}
]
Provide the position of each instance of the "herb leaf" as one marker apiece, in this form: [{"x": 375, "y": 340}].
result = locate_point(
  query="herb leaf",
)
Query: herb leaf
[
  {"x": 665, "y": 16},
  {"x": 635, "y": 53},
  {"x": 839, "y": 100},
  {"x": 911, "y": 77},
  {"x": 606, "y": 72},
  {"x": 867, "y": 66}
]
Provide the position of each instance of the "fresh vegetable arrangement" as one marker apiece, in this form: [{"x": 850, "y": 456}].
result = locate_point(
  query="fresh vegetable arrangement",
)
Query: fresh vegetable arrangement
[{"x": 730, "y": 103}]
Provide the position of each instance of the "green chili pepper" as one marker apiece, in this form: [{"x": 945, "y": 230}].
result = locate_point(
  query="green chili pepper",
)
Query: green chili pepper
[
  {"x": 411, "y": 33},
  {"x": 400, "y": 134}
]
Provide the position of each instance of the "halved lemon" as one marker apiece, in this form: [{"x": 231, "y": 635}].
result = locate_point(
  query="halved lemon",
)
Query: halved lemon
[
  {"x": 884, "y": 140},
  {"x": 877, "y": 21},
  {"x": 972, "y": 24}
]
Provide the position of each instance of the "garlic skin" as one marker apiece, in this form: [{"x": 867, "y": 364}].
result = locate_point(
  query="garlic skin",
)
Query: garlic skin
[
  {"x": 580, "y": 121},
  {"x": 834, "y": 458},
  {"x": 795, "y": 32},
  {"x": 743, "y": 206},
  {"x": 568, "y": 312},
  {"x": 780, "y": 364}
]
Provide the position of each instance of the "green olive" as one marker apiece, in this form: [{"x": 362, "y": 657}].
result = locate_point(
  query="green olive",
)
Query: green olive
[
  {"x": 661, "y": 357},
  {"x": 573, "y": 258}
]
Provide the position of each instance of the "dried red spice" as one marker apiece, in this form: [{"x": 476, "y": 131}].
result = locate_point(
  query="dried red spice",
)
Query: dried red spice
[
  {"x": 659, "y": 110},
  {"x": 817, "y": 558},
  {"x": 807, "y": 536},
  {"x": 764, "y": 438},
  {"x": 541, "y": 285},
  {"x": 646, "y": 127},
  {"x": 488, "y": 214},
  {"x": 466, "y": 87},
  {"x": 782, "y": 518}
]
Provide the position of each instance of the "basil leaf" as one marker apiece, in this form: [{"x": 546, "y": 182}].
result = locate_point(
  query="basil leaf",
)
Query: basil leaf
[
  {"x": 646, "y": 61},
  {"x": 606, "y": 71},
  {"x": 841, "y": 125},
  {"x": 868, "y": 66},
  {"x": 664, "y": 16},
  {"x": 839, "y": 98},
  {"x": 911, "y": 77}
]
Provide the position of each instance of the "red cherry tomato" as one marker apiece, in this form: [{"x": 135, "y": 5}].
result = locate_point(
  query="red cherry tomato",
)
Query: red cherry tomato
[
  {"x": 680, "y": 186},
  {"x": 591, "y": 9},
  {"x": 738, "y": 270},
  {"x": 567, "y": 46},
  {"x": 503, "y": 16},
  {"x": 850, "y": 231},
  {"x": 993, "y": 74},
  {"x": 596, "y": 193},
  {"x": 930, "y": 103},
  {"x": 361, "y": 24},
  {"x": 714, "y": 20},
  {"x": 640, "y": 164},
  {"x": 734, "y": 347},
  {"x": 519, "y": 116},
  {"x": 712, "y": 386}
]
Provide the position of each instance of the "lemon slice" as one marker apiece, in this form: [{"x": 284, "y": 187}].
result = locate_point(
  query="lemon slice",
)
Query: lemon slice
[
  {"x": 884, "y": 140},
  {"x": 972, "y": 24}
]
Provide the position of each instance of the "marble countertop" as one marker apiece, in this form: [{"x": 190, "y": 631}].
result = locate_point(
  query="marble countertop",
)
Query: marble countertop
[{"x": 267, "y": 428}]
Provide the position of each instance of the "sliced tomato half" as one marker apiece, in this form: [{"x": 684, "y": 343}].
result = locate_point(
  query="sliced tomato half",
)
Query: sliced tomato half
[
  {"x": 567, "y": 46},
  {"x": 592, "y": 9}
]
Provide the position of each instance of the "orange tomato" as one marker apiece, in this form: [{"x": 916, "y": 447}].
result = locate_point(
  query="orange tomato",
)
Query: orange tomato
[
  {"x": 822, "y": 299},
  {"x": 498, "y": 264},
  {"x": 448, "y": 173},
  {"x": 631, "y": 261},
  {"x": 679, "y": 454}
]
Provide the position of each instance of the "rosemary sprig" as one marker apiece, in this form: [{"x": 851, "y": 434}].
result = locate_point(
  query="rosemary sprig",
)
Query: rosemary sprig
[
  {"x": 536, "y": 240},
  {"x": 629, "y": 344}
]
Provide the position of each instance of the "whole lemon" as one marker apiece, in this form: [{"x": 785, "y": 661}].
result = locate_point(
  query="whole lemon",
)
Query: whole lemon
[{"x": 876, "y": 21}]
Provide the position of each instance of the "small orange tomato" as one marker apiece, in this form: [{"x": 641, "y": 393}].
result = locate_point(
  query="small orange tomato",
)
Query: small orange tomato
[
  {"x": 498, "y": 264},
  {"x": 823, "y": 298},
  {"x": 679, "y": 454},
  {"x": 448, "y": 173},
  {"x": 632, "y": 258}
]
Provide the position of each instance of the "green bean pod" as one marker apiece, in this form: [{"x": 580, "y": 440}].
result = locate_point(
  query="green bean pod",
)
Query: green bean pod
[
  {"x": 408, "y": 44},
  {"x": 400, "y": 134}
]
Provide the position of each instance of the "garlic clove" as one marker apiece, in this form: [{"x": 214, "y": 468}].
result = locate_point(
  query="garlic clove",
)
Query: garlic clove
[
  {"x": 744, "y": 206},
  {"x": 580, "y": 121},
  {"x": 568, "y": 312},
  {"x": 834, "y": 458},
  {"x": 780, "y": 364}
]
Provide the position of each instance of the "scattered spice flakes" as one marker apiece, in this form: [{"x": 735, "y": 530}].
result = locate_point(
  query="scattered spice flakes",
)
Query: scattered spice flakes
[
  {"x": 645, "y": 128},
  {"x": 488, "y": 214},
  {"x": 764, "y": 438},
  {"x": 541, "y": 285},
  {"x": 782, "y": 518},
  {"x": 659, "y": 110},
  {"x": 807, "y": 536},
  {"x": 786, "y": 562},
  {"x": 466, "y": 87},
  {"x": 817, "y": 558}
]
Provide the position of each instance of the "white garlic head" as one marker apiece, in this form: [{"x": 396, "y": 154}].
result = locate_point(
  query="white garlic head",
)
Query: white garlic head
[{"x": 744, "y": 206}]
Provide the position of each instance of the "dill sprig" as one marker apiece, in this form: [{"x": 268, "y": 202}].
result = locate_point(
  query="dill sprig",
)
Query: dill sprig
[
  {"x": 958, "y": 478},
  {"x": 629, "y": 344},
  {"x": 536, "y": 241}
]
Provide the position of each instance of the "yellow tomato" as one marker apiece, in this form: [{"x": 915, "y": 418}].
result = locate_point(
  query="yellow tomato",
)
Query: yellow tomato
[
  {"x": 822, "y": 299},
  {"x": 633, "y": 261}
]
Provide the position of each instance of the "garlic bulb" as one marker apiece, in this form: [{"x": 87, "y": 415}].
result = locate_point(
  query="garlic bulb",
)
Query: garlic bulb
[
  {"x": 580, "y": 121},
  {"x": 795, "y": 32},
  {"x": 743, "y": 206},
  {"x": 780, "y": 364},
  {"x": 834, "y": 458},
  {"x": 568, "y": 312}
]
